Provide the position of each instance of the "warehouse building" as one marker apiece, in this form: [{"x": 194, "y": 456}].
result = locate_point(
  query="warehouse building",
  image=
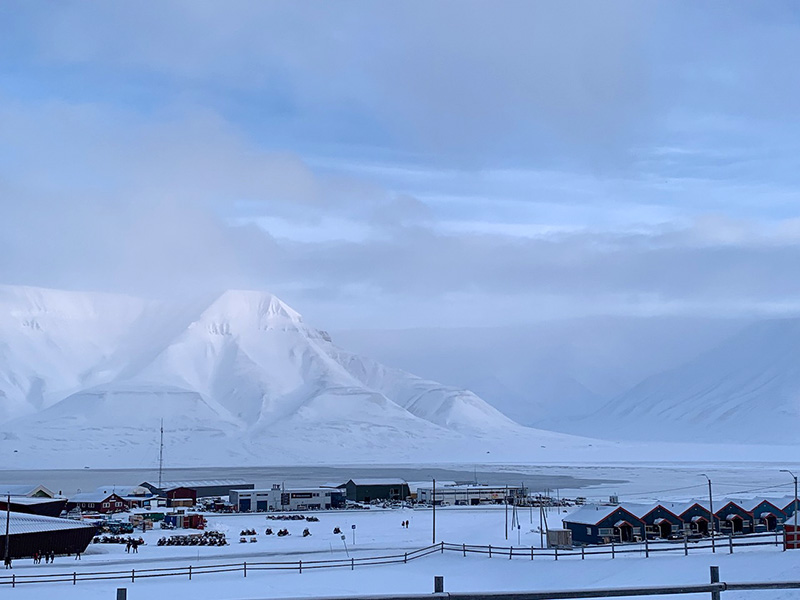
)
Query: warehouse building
[
  {"x": 470, "y": 494},
  {"x": 202, "y": 489},
  {"x": 276, "y": 498},
  {"x": 46, "y": 507},
  {"x": 29, "y": 534},
  {"x": 367, "y": 490}
]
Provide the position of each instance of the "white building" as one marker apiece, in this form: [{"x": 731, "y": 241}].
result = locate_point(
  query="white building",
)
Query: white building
[
  {"x": 469, "y": 494},
  {"x": 276, "y": 498}
]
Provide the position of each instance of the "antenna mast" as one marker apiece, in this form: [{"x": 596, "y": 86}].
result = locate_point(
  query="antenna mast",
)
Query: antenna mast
[{"x": 161, "y": 455}]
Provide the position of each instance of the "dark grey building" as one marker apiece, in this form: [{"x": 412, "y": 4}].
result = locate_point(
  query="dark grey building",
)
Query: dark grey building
[
  {"x": 31, "y": 533},
  {"x": 367, "y": 490}
]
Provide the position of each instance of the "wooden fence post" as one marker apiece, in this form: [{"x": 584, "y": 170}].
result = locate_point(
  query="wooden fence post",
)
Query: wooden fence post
[
  {"x": 405, "y": 557},
  {"x": 244, "y": 568},
  {"x": 510, "y": 552},
  {"x": 715, "y": 579},
  {"x": 133, "y": 575},
  {"x": 352, "y": 563},
  {"x": 646, "y": 546},
  {"x": 300, "y": 566},
  {"x": 438, "y": 584},
  {"x": 556, "y": 552},
  {"x": 685, "y": 545},
  {"x": 612, "y": 549},
  {"x": 190, "y": 572},
  {"x": 730, "y": 543},
  {"x": 531, "y": 552},
  {"x": 490, "y": 551},
  {"x": 463, "y": 549},
  {"x": 583, "y": 553}
]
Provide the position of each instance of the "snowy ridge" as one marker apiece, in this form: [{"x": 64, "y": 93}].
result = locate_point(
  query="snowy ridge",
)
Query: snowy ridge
[
  {"x": 238, "y": 378},
  {"x": 745, "y": 389}
]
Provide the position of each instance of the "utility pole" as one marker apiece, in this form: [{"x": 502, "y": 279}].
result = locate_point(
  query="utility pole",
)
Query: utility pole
[
  {"x": 8, "y": 525},
  {"x": 505, "y": 501},
  {"x": 710, "y": 512},
  {"x": 161, "y": 456},
  {"x": 795, "y": 501},
  {"x": 434, "y": 511}
]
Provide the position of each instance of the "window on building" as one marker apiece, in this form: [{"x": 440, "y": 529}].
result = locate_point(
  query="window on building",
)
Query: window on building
[
  {"x": 606, "y": 531},
  {"x": 106, "y": 504}
]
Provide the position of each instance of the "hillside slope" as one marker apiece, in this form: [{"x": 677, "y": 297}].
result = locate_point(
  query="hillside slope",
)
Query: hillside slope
[
  {"x": 238, "y": 379},
  {"x": 746, "y": 389}
]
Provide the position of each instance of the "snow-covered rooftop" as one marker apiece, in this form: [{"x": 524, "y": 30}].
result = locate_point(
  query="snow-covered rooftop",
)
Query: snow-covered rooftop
[
  {"x": 591, "y": 514},
  {"x": 171, "y": 485},
  {"x": 388, "y": 481},
  {"x": 24, "y": 523}
]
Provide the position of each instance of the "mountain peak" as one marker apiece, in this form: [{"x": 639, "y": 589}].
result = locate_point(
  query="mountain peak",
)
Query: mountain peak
[{"x": 252, "y": 306}]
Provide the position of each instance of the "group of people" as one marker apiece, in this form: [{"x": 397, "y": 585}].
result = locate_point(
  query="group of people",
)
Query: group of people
[
  {"x": 404, "y": 524},
  {"x": 48, "y": 557},
  {"x": 132, "y": 545}
]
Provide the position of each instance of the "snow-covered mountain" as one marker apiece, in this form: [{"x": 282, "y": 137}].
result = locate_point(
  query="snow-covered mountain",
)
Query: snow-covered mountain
[
  {"x": 238, "y": 378},
  {"x": 746, "y": 389}
]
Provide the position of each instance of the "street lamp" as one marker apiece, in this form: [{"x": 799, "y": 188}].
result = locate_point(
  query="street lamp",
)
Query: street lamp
[
  {"x": 795, "y": 500},
  {"x": 710, "y": 511}
]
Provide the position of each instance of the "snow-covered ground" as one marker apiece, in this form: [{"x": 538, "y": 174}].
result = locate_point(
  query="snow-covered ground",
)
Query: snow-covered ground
[{"x": 380, "y": 532}]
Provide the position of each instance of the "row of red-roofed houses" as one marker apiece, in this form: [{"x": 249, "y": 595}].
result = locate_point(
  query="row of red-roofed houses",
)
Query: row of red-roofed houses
[{"x": 602, "y": 524}]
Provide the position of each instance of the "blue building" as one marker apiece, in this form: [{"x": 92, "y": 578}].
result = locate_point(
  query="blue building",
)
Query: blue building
[
  {"x": 696, "y": 517},
  {"x": 597, "y": 524},
  {"x": 766, "y": 515},
  {"x": 733, "y": 518},
  {"x": 662, "y": 522}
]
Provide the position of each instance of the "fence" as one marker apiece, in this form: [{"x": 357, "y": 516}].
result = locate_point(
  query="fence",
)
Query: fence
[
  {"x": 715, "y": 588},
  {"x": 508, "y": 552},
  {"x": 193, "y": 570},
  {"x": 721, "y": 544}
]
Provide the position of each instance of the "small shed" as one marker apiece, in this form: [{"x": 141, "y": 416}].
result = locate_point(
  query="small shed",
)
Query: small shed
[
  {"x": 601, "y": 524},
  {"x": 367, "y": 490},
  {"x": 661, "y": 522},
  {"x": 733, "y": 518}
]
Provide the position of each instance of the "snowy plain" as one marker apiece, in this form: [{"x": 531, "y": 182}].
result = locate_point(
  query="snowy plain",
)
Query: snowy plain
[{"x": 379, "y": 532}]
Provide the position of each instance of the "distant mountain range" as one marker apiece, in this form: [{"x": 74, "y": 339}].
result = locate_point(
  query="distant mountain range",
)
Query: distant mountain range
[
  {"x": 238, "y": 379},
  {"x": 745, "y": 389}
]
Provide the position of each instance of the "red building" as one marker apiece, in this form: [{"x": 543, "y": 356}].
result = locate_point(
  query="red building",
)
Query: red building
[
  {"x": 181, "y": 493},
  {"x": 98, "y": 502}
]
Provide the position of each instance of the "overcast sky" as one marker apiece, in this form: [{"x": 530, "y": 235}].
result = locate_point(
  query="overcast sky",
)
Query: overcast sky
[{"x": 403, "y": 164}]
